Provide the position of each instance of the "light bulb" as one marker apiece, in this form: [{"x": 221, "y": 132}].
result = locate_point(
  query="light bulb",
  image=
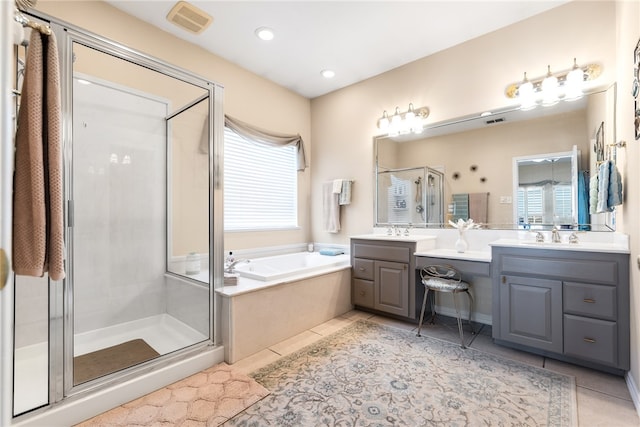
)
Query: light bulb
[
  {"x": 526, "y": 95},
  {"x": 574, "y": 82},
  {"x": 549, "y": 89},
  {"x": 383, "y": 123},
  {"x": 396, "y": 123}
]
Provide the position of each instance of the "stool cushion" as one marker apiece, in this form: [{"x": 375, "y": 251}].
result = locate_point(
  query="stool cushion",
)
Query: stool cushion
[{"x": 444, "y": 285}]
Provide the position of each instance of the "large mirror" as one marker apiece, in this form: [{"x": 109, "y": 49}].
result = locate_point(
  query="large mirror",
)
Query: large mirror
[{"x": 475, "y": 155}]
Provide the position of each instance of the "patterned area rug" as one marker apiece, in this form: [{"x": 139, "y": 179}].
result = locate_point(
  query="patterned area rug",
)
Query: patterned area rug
[
  {"x": 206, "y": 399},
  {"x": 373, "y": 375}
]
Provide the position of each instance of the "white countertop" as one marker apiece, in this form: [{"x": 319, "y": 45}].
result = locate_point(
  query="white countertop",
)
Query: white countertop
[
  {"x": 481, "y": 256},
  {"x": 423, "y": 242},
  {"x": 395, "y": 238},
  {"x": 610, "y": 246}
]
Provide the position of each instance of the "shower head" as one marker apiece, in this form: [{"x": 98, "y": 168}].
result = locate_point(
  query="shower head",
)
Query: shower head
[{"x": 431, "y": 179}]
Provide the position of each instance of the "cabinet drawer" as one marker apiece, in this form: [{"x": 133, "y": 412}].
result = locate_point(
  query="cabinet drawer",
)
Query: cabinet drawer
[
  {"x": 362, "y": 293},
  {"x": 590, "y": 300},
  {"x": 386, "y": 253},
  {"x": 591, "y": 339},
  {"x": 588, "y": 270},
  {"x": 363, "y": 268}
]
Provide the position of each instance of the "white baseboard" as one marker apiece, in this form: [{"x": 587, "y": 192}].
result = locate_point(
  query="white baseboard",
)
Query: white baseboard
[{"x": 633, "y": 390}]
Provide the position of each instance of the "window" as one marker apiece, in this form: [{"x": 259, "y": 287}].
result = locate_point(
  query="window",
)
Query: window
[
  {"x": 260, "y": 185},
  {"x": 530, "y": 205},
  {"x": 562, "y": 202}
]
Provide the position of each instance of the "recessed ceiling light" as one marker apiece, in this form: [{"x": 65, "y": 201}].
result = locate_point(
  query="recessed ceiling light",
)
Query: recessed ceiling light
[
  {"x": 264, "y": 33},
  {"x": 327, "y": 74}
]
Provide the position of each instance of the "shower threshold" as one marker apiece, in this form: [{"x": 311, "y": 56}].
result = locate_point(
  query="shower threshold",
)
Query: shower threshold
[{"x": 162, "y": 332}]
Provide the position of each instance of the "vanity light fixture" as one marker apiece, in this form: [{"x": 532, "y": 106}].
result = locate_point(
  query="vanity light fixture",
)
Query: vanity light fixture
[
  {"x": 400, "y": 123},
  {"x": 566, "y": 86}
]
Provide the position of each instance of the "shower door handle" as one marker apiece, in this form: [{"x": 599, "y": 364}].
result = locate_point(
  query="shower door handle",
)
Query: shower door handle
[{"x": 69, "y": 213}]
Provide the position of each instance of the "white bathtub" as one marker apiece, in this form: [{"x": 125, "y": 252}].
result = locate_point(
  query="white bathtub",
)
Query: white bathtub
[{"x": 281, "y": 266}]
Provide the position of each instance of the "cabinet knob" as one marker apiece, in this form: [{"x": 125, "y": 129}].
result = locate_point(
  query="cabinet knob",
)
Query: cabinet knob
[
  {"x": 362, "y": 293},
  {"x": 361, "y": 269},
  {"x": 589, "y": 340},
  {"x": 589, "y": 300}
]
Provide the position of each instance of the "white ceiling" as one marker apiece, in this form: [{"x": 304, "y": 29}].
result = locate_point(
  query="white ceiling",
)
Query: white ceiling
[{"x": 356, "y": 39}]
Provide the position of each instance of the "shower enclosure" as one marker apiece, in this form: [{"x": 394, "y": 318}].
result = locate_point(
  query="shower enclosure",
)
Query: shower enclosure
[
  {"x": 410, "y": 196},
  {"x": 143, "y": 223}
]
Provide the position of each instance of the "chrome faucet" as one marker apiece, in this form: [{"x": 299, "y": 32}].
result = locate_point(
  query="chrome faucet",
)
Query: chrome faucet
[
  {"x": 539, "y": 237},
  {"x": 230, "y": 267},
  {"x": 555, "y": 235}
]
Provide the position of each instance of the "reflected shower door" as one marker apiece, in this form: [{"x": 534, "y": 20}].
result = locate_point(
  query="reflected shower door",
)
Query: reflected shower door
[{"x": 126, "y": 309}]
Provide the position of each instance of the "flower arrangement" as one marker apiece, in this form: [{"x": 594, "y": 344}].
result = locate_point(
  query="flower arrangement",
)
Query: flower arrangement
[{"x": 463, "y": 225}]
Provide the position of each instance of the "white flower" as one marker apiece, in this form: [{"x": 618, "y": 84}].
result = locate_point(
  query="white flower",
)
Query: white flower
[{"x": 463, "y": 225}]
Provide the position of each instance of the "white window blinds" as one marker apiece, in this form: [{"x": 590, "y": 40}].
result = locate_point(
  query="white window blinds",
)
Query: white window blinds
[{"x": 260, "y": 185}]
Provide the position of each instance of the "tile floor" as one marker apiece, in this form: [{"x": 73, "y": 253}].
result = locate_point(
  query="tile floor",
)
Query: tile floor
[{"x": 603, "y": 399}]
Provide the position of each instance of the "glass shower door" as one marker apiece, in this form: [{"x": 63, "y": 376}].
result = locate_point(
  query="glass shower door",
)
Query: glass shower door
[{"x": 126, "y": 309}]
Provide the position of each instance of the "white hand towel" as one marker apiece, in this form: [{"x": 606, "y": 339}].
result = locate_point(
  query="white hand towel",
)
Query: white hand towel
[
  {"x": 330, "y": 208},
  {"x": 337, "y": 186}
]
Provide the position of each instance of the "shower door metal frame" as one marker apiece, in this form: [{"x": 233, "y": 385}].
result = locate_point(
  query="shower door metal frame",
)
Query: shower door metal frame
[{"x": 61, "y": 300}]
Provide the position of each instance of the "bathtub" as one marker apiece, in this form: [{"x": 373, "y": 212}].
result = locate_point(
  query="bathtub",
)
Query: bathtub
[
  {"x": 282, "y": 266},
  {"x": 284, "y": 294}
]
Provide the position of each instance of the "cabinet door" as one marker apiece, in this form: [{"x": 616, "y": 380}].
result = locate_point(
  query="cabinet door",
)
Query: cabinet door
[
  {"x": 531, "y": 312},
  {"x": 362, "y": 293},
  {"x": 391, "y": 287}
]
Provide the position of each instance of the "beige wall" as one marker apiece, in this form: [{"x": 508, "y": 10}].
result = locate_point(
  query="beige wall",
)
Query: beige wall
[
  {"x": 627, "y": 35},
  {"x": 247, "y": 96},
  {"x": 462, "y": 80}
]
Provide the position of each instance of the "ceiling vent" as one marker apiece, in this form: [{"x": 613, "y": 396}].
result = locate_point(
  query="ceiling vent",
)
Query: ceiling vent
[
  {"x": 498, "y": 120},
  {"x": 189, "y": 17}
]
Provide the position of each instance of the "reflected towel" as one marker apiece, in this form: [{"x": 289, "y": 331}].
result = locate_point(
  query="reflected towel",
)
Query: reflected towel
[
  {"x": 345, "y": 193},
  {"x": 479, "y": 207},
  {"x": 38, "y": 199},
  {"x": 583, "y": 198},
  {"x": 330, "y": 209},
  {"x": 603, "y": 187},
  {"x": 593, "y": 194}
]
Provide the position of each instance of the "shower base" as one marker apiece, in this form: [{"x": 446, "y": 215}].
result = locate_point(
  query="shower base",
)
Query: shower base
[{"x": 162, "y": 332}]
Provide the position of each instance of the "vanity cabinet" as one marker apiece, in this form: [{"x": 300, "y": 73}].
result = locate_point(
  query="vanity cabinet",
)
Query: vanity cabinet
[
  {"x": 381, "y": 279},
  {"x": 567, "y": 304}
]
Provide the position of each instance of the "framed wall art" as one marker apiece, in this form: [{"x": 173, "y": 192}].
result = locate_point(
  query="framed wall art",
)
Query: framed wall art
[{"x": 635, "y": 89}]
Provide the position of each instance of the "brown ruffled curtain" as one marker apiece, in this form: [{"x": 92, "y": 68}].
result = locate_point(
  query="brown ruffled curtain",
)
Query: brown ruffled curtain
[{"x": 269, "y": 138}]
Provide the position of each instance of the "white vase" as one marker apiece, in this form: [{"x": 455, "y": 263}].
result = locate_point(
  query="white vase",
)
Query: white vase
[{"x": 461, "y": 244}]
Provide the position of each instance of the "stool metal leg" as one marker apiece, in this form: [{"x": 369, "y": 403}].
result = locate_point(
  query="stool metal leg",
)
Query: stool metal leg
[
  {"x": 455, "y": 303},
  {"x": 424, "y": 303},
  {"x": 470, "y": 310}
]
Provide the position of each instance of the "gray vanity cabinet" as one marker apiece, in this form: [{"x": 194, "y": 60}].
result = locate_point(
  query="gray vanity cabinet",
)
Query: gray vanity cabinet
[
  {"x": 571, "y": 305},
  {"x": 381, "y": 279}
]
